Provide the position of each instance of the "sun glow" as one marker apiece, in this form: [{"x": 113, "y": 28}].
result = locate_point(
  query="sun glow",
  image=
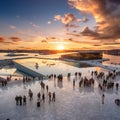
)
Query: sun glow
[{"x": 60, "y": 47}]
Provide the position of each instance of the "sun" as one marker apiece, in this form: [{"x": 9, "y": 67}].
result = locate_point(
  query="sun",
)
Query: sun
[{"x": 60, "y": 47}]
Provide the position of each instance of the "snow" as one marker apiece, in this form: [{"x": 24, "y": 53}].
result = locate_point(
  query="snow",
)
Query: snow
[{"x": 71, "y": 103}]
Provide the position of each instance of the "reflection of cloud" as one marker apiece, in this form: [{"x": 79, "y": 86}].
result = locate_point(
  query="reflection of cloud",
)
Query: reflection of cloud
[
  {"x": 15, "y": 39},
  {"x": 106, "y": 14},
  {"x": 12, "y": 27}
]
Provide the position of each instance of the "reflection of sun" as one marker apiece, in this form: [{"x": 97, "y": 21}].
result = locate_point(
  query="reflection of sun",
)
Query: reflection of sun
[{"x": 60, "y": 47}]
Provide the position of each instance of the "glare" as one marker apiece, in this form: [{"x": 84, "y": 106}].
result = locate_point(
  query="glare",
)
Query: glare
[{"x": 60, "y": 47}]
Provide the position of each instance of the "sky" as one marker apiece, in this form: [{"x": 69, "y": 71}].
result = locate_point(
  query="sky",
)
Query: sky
[{"x": 60, "y": 24}]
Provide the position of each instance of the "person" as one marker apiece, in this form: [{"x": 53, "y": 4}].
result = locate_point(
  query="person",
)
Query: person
[
  {"x": 103, "y": 97},
  {"x": 47, "y": 88},
  {"x": 16, "y": 99},
  {"x": 20, "y": 100},
  {"x": 24, "y": 100},
  {"x": 38, "y": 103},
  {"x": 43, "y": 97},
  {"x": 53, "y": 98},
  {"x": 73, "y": 82},
  {"x": 39, "y": 96},
  {"x": 49, "y": 94}
]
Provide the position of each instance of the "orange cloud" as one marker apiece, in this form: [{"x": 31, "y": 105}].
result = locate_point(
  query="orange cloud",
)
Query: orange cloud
[
  {"x": 106, "y": 14},
  {"x": 2, "y": 39},
  {"x": 15, "y": 39}
]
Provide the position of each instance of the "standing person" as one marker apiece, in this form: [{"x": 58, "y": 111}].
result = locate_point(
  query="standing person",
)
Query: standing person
[
  {"x": 103, "y": 98},
  {"x": 20, "y": 99},
  {"x": 47, "y": 88},
  {"x": 49, "y": 94},
  {"x": 39, "y": 96},
  {"x": 24, "y": 100},
  {"x": 38, "y": 103},
  {"x": 16, "y": 99},
  {"x": 43, "y": 97},
  {"x": 73, "y": 82},
  {"x": 53, "y": 97}
]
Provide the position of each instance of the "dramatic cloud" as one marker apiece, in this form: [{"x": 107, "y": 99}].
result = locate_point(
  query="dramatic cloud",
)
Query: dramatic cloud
[
  {"x": 2, "y": 39},
  {"x": 15, "y": 39},
  {"x": 106, "y": 14}
]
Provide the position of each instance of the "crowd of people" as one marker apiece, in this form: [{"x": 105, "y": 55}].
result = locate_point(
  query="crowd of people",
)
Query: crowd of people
[{"x": 41, "y": 96}]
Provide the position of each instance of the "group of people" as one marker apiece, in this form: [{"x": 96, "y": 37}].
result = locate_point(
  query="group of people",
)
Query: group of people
[
  {"x": 4, "y": 83},
  {"x": 41, "y": 96},
  {"x": 20, "y": 100}
]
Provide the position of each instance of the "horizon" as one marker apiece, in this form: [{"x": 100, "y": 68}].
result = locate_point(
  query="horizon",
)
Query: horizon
[{"x": 59, "y": 25}]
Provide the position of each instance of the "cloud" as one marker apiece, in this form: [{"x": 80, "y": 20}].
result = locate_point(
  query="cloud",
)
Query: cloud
[
  {"x": 2, "y": 39},
  {"x": 34, "y": 25},
  {"x": 15, "y": 39},
  {"x": 68, "y": 18},
  {"x": 106, "y": 14},
  {"x": 57, "y": 17},
  {"x": 44, "y": 41},
  {"x": 49, "y": 22},
  {"x": 87, "y": 32},
  {"x": 12, "y": 27}
]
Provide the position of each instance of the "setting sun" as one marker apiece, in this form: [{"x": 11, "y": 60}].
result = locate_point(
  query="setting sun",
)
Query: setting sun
[{"x": 60, "y": 47}]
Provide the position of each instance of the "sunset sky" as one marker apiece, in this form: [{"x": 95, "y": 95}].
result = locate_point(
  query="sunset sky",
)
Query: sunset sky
[{"x": 60, "y": 24}]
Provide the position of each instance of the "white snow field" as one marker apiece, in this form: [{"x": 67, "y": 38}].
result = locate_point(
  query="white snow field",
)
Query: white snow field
[{"x": 71, "y": 103}]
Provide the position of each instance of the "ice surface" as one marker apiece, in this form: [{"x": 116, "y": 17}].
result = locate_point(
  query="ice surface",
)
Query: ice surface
[{"x": 71, "y": 103}]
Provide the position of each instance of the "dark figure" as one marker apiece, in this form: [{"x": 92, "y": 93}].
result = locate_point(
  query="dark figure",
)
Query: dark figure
[
  {"x": 117, "y": 102},
  {"x": 2, "y": 83},
  {"x": 49, "y": 94},
  {"x": 5, "y": 82},
  {"x": 53, "y": 98},
  {"x": 17, "y": 100},
  {"x": 47, "y": 88},
  {"x": 38, "y": 103},
  {"x": 43, "y": 97},
  {"x": 103, "y": 97},
  {"x": 117, "y": 86},
  {"x": 7, "y": 119},
  {"x": 73, "y": 82},
  {"x": 20, "y": 100},
  {"x": 31, "y": 95},
  {"x": 39, "y": 96},
  {"x": 24, "y": 100}
]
